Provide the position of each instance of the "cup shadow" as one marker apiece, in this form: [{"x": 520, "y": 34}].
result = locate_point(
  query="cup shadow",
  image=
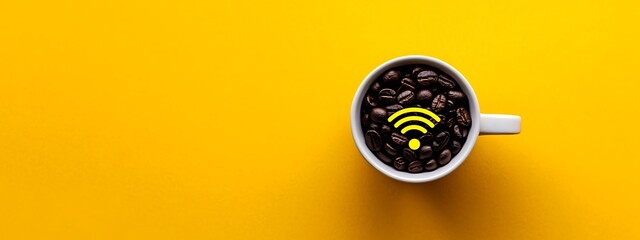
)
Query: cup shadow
[{"x": 465, "y": 204}]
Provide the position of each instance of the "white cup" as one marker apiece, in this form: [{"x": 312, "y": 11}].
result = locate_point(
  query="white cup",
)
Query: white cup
[{"x": 481, "y": 123}]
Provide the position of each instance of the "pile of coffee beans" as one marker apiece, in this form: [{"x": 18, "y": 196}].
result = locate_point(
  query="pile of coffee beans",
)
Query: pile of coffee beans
[{"x": 415, "y": 86}]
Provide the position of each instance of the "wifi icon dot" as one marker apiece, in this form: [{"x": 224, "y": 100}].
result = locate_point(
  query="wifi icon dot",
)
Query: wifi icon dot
[{"x": 419, "y": 123}]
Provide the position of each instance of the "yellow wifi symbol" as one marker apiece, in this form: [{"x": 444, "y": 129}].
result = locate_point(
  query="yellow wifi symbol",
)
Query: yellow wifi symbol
[{"x": 413, "y": 143}]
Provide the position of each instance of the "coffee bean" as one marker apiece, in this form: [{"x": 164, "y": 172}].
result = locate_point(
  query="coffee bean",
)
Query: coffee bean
[
  {"x": 365, "y": 119},
  {"x": 399, "y": 163},
  {"x": 431, "y": 165},
  {"x": 390, "y": 149},
  {"x": 450, "y": 104},
  {"x": 463, "y": 117},
  {"x": 455, "y": 95},
  {"x": 425, "y": 152},
  {"x": 378, "y": 115},
  {"x": 371, "y": 101},
  {"x": 416, "y": 70},
  {"x": 439, "y": 103},
  {"x": 449, "y": 122},
  {"x": 424, "y": 95},
  {"x": 383, "y": 157},
  {"x": 407, "y": 84},
  {"x": 455, "y": 147},
  {"x": 405, "y": 97},
  {"x": 374, "y": 126},
  {"x": 409, "y": 154},
  {"x": 415, "y": 166},
  {"x": 375, "y": 88},
  {"x": 442, "y": 139},
  {"x": 427, "y": 77},
  {"x": 426, "y": 138},
  {"x": 391, "y": 77},
  {"x": 446, "y": 82},
  {"x": 398, "y": 139},
  {"x": 387, "y": 95},
  {"x": 445, "y": 157},
  {"x": 373, "y": 140},
  {"x": 460, "y": 132},
  {"x": 391, "y": 109},
  {"x": 385, "y": 129}
]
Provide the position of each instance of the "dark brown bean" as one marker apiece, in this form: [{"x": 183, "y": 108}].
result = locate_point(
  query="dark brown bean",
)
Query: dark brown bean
[
  {"x": 431, "y": 165},
  {"x": 425, "y": 152},
  {"x": 415, "y": 166},
  {"x": 427, "y": 77},
  {"x": 424, "y": 95},
  {"x": 446, "y": 81},
  {"x": 387, "y": 95},
  {"x": 455, "y": 147},
  {"x": 399, "y": 139},
  {"x": 375, "y": 88},
  {"x": 385, "y": 130},
  {"x": 405, "y": 97},
  {"x": 378, "y": 115},
  {"x": 455, "y": 95},
  {"x": 409, "y": 154},
  {"x": 460, "y": 132},
  {"x": 442, "y": 139},
  {"x": 463, "y": 117},
  {"x": 399, "y": 163},
  {"x": 439, "y": 103},
  {"x": 371, "y": 101},
  {"x": 445, "y": 157},
  {"x": 390, "y": 149},
  {"x": 416, "y": 70},
  {"x": 391, "y": 109},
  {"x": 391, "y": 77},
  {"x": 407, "y": 84},
  {"x": 373, "y": 140}
]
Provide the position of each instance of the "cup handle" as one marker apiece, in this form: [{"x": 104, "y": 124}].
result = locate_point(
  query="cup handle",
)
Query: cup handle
[{"x": 499, "y": 124}]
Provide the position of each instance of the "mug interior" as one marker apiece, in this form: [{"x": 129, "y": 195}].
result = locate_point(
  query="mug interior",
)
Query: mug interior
[{"x": 356, "y": 125}]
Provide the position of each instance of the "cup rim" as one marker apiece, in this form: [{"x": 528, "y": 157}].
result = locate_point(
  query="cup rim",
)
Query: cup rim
[{"x": 358, "y": 135}]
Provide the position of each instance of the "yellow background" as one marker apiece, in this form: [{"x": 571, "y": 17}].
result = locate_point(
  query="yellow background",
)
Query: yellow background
[{"x": 230, "y": 120}]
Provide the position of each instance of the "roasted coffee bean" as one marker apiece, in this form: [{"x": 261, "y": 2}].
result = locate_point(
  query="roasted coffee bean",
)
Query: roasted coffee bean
[
  {"x": 426, "y": 138},
  {"x": 399, "y": 139},
  {"x": 390, "y": 149},
  {"x": 431, "y": 165},
  {"x": 427, "y": 77},
  {"x": 442, "y": 139},
  {"x": 449, "y": 122},
  {"x": 385, "y": 130},
  {"x": 446, "y": 82},
  {"x": 365, "y": 119},
  {"x": 378, "y": 115},
  {"x": 399, "y": 163},
  {"x": 375, "y": 88},
  {"x": 391, "y": 109},
  {"x": 383, "y": 157},
  {"x": 463, "y": 117},
  {"x": 409, "y": 154},
  {"x": 407, "y": 84},
  {"x": 424, "y": 95},
  {"x": 373, "y": 140},
  {"x": 405, "y": 97},
  {"x": 450, "y": 104},
  {"x": 455, "y": 147},
  {"x": 460, "y": 132},
  {"x": 391, "y": 77},
  {"x": 445, "y": 157},
  {"x": 439, "y": 103},
  {"x": 455, "y": 95},
  {"x": 415, "y": 166},
  {"x": 416, "y": 70},
  {"x": 374, "y": 126},
  {"x": 371, "y": 101},
  {"x": 387, "y": 95},
  {"x": 425, "y": 152}
]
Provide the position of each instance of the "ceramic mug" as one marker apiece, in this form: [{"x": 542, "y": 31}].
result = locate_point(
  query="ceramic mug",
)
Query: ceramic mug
[{"x": 481, "y": 123}]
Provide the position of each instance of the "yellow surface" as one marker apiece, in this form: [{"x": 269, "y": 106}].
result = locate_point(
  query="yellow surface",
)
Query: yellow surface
[{"x": 230, "y": 120}]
